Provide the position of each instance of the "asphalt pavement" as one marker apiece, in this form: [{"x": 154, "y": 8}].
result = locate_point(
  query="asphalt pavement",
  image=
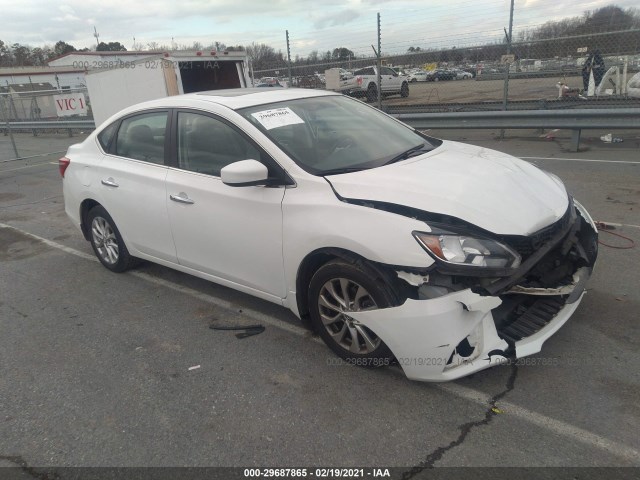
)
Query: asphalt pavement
[{"x": 102, "y": 369}]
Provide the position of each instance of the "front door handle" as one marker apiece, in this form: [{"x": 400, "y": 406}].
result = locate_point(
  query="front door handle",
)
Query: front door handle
[
  {"x": 109, "y": 182},
  {"x": 181, "y": 198}
]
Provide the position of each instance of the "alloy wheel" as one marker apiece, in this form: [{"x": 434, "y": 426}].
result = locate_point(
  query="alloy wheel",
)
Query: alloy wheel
[
  {"x": 104, "y": 239},
  {"x": 337, "y": 298}
]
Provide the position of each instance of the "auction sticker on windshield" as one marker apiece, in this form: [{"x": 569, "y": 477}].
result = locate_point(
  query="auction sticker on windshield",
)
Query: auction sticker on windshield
[{"x": 277, "y": 117}]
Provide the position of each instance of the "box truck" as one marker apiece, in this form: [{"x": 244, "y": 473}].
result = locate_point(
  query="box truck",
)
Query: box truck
[{"x": 160, "y": 75}]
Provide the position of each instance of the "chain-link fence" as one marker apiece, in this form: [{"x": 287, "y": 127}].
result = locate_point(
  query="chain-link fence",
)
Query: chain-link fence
[
  {"x": 28, "y": 111},
  {"x": 457, "y": 56},
  {"x": 585, "y": 60}
]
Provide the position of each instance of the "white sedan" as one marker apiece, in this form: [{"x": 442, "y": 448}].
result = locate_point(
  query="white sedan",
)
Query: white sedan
[
  {"x": 419, "y": 76},
  {"x": 443, "y": 257},
  {"x": 462, "y": 75}
]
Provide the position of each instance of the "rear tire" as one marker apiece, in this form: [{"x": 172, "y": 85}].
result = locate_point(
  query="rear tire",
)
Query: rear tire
[
  {"x": 372, "y": 93},
  {"x": 107, "y": 242},
  {"x": 337, "y": 288},
  {"x": 404, "y": 90}
]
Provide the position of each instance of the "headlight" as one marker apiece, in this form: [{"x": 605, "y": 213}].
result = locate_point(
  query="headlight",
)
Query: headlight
[
  {"x": 468, "y": 251},
  {"x": 585, "y": 214}
]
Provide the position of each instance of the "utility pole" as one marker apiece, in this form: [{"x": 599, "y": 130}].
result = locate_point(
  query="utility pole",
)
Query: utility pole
[
  {"x": 8, "y": 125},
  {"x": 95, "y": 34},
  {"x": 380, "y": 65},
  {"x": 507, "y": 64},
  {"x": 289, "y": 60}
]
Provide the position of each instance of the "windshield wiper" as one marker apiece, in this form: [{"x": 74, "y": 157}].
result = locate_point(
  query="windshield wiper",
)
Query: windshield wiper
[
  {"x": 338, "y": 171},
  {"x": 407, "y": 154}
]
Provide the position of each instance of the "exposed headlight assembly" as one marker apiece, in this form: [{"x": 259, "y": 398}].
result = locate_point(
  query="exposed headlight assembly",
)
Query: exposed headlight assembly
[{"x": 465, "y": 251}]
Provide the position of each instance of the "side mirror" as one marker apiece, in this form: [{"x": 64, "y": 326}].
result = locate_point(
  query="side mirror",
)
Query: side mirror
[{"x": 244, "y": 173}]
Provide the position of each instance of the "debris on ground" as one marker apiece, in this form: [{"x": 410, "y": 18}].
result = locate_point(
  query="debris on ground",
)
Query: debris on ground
[
  {"x": 606, "y": 228},
  {"x": 550, "y": 135},
  {"x": 249, "y": 330},
  {"x": 608, "y": 138},
  {"x": 195, "y": 367}
]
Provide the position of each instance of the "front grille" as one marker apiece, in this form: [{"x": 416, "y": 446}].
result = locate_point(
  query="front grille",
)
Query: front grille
[
  {"x": 524, "y": 321},
  {"x": 526, "y": 246}
]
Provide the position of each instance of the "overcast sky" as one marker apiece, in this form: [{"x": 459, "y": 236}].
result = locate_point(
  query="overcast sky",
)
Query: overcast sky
[{"x": 313, "y": 24}]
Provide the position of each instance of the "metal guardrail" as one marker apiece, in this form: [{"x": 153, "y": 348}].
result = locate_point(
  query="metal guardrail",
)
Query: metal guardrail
[
  {"x": 575, "y": 120},
  {"x": 564, "y": 103},
  {"x": 50, "y": 125}
]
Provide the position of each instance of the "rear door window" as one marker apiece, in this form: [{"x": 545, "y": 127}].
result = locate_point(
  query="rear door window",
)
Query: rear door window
[{"x": 142, "y": 137}]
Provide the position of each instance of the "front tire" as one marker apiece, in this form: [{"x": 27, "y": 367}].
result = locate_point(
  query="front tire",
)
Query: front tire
[
  {"x": 107, "y": 242},
  {"x": 337, "y": 288}
]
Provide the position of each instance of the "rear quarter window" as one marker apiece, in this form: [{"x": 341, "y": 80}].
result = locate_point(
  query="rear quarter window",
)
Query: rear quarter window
[
  {"x": 142, "y": 137},
  {"x": 106, "y": 136}
]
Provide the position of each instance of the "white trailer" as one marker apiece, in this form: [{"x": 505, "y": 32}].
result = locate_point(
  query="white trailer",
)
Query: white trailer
[{"x": 161, "y": 75}]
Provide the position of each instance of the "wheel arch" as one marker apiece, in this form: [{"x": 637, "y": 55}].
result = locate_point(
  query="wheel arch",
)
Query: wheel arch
[
  {"x": 86, "y": 206},
  {"x": 316, "y": 259}
]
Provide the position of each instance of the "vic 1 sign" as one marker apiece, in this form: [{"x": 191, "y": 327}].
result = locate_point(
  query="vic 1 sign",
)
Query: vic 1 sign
[{"x": 70, "y": 104}]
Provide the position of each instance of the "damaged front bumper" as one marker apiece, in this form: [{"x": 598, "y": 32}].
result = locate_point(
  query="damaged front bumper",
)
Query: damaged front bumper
[
  {"x": 452, "y": 336},
  {"x": 462, "y": 332}
]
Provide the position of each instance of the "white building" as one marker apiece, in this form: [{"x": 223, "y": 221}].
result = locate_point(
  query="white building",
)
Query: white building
[
  {"x": 93, "y": 60},
  {"x": 60, "y": 77}
]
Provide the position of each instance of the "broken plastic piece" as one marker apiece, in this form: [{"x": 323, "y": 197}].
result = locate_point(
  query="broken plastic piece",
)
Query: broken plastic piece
[{"x": 249, "y": 330}]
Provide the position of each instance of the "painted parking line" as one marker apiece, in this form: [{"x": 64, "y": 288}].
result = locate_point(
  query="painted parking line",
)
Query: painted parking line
[
  {"x": 28, "y": 166},
  {"x": 620, "y": 224},
  {"x": 511, "y": 410},
  {"x": 32, "y": 156},
  {"x": 218, "y": 302},
  {"x": 581, "y": 160}
]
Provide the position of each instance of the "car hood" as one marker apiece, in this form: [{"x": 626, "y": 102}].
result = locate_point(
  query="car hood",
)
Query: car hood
[{"x": 489, "y": 189}]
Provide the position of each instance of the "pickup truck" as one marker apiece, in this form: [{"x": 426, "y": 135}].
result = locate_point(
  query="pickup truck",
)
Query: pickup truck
[{"x": 365, "y": 83}]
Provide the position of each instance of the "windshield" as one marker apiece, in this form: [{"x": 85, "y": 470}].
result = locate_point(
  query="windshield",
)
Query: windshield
[{"x": 336, "y": 134}]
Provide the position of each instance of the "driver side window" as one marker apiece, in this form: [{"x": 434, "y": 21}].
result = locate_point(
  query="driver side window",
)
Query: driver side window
[{"x": 206, "y": 144}]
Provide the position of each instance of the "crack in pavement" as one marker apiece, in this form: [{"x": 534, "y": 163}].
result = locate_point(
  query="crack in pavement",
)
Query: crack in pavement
[
  {"x": 465, "y": 429},
  {"x": 31, "y": 471}
]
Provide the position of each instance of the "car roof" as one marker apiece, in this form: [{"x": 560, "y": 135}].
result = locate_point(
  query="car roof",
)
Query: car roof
[{"x": 235, "y": 98}]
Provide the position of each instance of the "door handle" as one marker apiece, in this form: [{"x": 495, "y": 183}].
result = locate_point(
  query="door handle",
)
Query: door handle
[
  {"x": 109, "y": 182},
  {"x": 181, "y": 198}
]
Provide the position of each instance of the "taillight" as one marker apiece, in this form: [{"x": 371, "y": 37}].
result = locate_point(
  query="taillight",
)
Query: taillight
[
  {"x": 359, "y": 80},
  {"x": 63, "y": 163}
]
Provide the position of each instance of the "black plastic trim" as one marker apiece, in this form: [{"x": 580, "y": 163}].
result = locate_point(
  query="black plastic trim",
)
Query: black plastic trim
[{"x": 530, "y": 262}]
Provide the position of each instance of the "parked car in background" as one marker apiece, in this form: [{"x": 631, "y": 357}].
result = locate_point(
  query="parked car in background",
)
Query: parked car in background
[
  {"x": 364, "y": 83},
  {"x": 448, "y": 258},
  {"x": 440, "y": 74},
  {"x": 461, "y": 74},
  {"x": 419, "y": 76},
  {"x": 268, "y": 82}
]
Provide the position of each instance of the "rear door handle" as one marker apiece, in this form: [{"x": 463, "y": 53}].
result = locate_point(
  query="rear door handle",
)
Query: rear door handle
[
  {"x": 181, "y": 198},
  {"x": 109, "y": 182}
]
